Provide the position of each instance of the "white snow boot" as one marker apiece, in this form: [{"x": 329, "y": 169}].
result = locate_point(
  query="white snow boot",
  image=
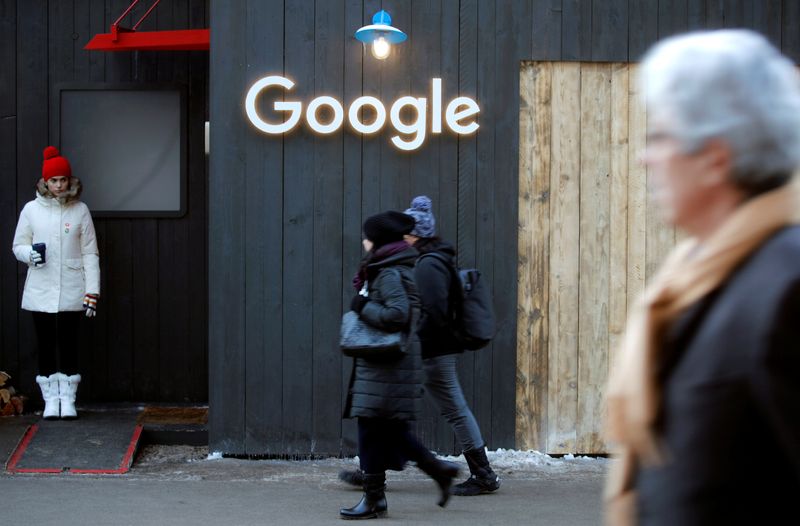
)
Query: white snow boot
[
  {"x": 49, "y": 387},
  {"x": 67, "y": 389}
]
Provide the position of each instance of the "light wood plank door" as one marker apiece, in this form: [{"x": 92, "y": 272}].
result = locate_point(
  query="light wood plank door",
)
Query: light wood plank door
[{"x": 588, "y": 241}]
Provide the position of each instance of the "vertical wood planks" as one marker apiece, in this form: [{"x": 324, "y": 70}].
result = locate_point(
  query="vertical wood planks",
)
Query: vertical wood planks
[
  {"x": 576, "y": 30},
  {"x": 298, "y": 231},
  {"x": 174, "y": 286},
  {"x": 534, "y": 254},
  {"x": 467, "y": 192},
  {"x": 287, "y": 203},
  {"x": 351, "y": 201},
  {"x": 31, "y": 137},
  {"x": 609, "y": 30},
  {"x": 644, "y": 18},
  {"x": 328, "y": 219},
  {"x": 790, "y": 37},
  {"x": 673, "y": 17},
  {"x": 637, "y": 195},
  {"x": 197, "y": 217},
  {"x": 618, "y": 207},
  {"x": 767, "y": 20},
  {"x": 546, "y": 29},
  {"x": 9, "y": 267},
  {"x": 396, "y": 76},
  {"x": 513, "y": 41},
  {"x": 263, "y": 237},
  {"x": 480, "y": 399},
  {"x": 587, "y": 130},
  {"x": 594, "y": 250},
  {"x": 226, "y": 236},
  {"x": 563, "y": 308}
]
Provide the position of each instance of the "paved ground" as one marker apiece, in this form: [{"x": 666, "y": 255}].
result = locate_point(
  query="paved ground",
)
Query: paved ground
[{"x": 180, "y": 485}]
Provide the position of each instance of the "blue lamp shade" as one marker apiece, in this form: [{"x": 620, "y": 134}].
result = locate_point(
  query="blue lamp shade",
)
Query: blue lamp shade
[{"x": 381, "y": 27}]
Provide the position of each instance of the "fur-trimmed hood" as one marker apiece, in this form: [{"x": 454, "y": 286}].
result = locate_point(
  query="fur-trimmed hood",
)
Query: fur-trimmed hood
[{"x": 72, "y": 194}]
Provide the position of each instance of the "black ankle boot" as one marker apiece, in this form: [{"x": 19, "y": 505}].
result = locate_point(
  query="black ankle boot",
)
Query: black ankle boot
[
  {"x": 442, "y": 472},
  {"x": 373, "y": 503},
  {"x": 354, "y": 477},
  {"x": 482, "y": 479}
]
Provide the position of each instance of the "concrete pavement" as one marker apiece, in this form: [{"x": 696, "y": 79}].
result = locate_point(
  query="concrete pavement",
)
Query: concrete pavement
[{"x": 179, "y": 485}]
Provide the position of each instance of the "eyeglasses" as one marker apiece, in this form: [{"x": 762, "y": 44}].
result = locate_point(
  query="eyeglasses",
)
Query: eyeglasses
[{"x": 656, "y": 136}]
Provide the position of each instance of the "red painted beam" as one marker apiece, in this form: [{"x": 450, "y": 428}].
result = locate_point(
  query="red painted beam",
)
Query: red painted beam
[{"x": 179, "y": 40}]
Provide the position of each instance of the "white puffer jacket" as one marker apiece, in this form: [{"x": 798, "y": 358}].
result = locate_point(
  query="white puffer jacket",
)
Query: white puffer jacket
[{"x": 72, "y": 262}]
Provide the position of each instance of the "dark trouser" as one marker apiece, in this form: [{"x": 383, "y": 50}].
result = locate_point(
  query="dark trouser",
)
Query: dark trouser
[
  {"x": 441, "y": 382},
  {"x": 57, "y": 337},
  {"x": 387, "y": 444}
]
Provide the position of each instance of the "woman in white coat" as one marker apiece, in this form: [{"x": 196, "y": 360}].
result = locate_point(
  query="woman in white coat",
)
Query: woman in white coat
[{"x": 55, "y": 237}]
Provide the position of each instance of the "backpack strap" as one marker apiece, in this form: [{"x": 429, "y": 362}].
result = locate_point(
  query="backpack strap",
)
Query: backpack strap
[
  {"x": 444, "y": 259},
  {"x": 454, "y": 294},
  {"x": 438, "y": 255}
]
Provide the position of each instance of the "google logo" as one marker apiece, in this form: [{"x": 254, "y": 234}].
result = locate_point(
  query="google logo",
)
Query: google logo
[{"x": 410, "y": 135}]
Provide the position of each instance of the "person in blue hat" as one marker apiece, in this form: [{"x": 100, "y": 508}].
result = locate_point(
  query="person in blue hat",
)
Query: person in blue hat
[{"x": 440, "y": 348}]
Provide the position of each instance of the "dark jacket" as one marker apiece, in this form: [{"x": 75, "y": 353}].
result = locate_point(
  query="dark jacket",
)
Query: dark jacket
[
  {"x": 731, "y": 415},
  {"x": 389, "y": 389},
  {"x": 434, "y": 281}
]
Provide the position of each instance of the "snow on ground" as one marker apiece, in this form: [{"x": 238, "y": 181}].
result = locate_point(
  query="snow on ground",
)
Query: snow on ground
[
  {"x": 193, "y": 463},
  {"x": 500, "y": 459},
  {"x": 520, "y": 460}
]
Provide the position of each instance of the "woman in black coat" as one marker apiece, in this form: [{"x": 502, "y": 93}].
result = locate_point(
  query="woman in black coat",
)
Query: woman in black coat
[{"x": 385, "y": 395}]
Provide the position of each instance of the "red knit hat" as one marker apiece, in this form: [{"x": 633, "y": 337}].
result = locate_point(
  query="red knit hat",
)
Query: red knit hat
[{"x": 54, "y": 165}]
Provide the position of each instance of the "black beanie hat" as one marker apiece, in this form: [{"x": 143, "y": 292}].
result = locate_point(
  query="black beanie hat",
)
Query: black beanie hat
[{"x": 387, "y": 227}]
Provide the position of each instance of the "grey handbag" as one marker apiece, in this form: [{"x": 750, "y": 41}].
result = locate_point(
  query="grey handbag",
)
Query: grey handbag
[{"x": 359, "y": 339}]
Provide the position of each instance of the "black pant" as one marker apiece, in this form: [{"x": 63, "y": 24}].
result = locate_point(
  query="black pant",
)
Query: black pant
[
  {"x": 57, "y": 337},
  {"x": 387, "y": 444}
]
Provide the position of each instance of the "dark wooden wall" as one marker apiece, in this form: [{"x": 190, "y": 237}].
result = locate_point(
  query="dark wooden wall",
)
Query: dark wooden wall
[
  {"x": 149, "y": 340},
  {"x": 285, "y": 213},
  {"x": 622, "y": 30},
  {"x": 295, "y": 207}
]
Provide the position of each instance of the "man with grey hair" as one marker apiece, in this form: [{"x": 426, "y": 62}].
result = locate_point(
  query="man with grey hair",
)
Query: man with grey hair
[{"x": 704, "y": 401}]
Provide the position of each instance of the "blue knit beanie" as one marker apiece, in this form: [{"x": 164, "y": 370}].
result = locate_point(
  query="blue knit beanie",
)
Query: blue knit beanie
[{"x": 421, "y": 212}]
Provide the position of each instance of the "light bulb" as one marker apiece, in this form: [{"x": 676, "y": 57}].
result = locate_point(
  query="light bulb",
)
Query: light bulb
[{"x": 381, "y": 48}]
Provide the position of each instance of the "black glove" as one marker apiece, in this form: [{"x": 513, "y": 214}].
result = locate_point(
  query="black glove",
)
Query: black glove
[{"x": 358, "y": 302}]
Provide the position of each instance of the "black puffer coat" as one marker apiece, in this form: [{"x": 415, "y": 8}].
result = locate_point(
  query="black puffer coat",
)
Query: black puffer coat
[
  {"x": 389, "y": 389},
  {"x": 434, "y": 280}
]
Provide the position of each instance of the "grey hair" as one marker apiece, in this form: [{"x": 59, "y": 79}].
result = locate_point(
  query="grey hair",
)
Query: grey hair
[{"x": 735, "y": 86}]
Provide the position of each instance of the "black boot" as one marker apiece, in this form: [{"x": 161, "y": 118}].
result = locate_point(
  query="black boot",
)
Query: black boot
[
  {"x": 482, "y": 479},
  {"x": 442, "y": 472},
  {"x": 373, "y": 503},
  {"x": 354, "y": 477}
]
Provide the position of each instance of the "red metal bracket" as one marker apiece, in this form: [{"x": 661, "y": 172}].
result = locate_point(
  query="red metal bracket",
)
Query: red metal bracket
[{"x": 129, "y": 39}]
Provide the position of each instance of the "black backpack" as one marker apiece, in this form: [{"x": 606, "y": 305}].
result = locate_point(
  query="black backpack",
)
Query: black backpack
[{"x": 471, "y": 308}]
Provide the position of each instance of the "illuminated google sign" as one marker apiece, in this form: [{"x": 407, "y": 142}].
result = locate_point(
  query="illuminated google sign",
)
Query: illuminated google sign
[{"x": 411, "y": 135}]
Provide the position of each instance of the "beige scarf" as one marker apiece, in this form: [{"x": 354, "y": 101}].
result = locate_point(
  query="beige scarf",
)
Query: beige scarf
[{"x": 690, "y": 272}]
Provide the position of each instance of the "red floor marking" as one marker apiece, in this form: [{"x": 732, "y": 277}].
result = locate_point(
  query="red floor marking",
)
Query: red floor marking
[
  {"x": 20, "y": 449},
  {"x": 124, "y": 466}
]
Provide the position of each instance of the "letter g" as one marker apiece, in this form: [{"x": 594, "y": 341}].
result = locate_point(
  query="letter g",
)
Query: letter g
[{"x": 294, "y": 108}]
